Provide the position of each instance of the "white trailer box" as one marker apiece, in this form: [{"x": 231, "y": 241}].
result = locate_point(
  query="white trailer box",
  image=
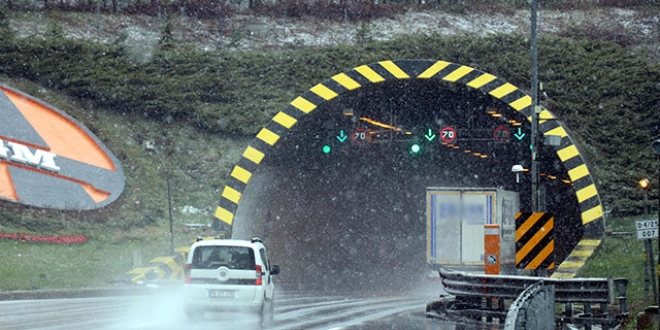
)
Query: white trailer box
[{"x": 455, "y": 226}]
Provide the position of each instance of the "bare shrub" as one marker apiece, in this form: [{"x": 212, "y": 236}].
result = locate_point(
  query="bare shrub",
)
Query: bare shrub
[
  {"x": 614, "y": 32},
  {"x": 361, "y": 10}
]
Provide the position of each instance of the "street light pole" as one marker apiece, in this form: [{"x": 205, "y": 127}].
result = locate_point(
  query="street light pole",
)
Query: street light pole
[
  {"x": 648, "y": 246},
  {"x": 535, "y": 109},
  {"x": 151, "y": 146}
]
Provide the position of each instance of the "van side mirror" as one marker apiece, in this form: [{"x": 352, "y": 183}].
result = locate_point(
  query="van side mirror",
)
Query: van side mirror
[{"x": 274, "y": 270}]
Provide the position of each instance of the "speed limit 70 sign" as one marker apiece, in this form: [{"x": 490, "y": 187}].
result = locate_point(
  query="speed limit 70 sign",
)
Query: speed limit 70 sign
[
  {"x": 448, "y": 134},
  {"x": 646, "y": 229}
]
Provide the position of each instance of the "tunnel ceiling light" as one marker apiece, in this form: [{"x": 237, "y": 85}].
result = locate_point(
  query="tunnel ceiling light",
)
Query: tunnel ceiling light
[{"x": 379, "y": 124}]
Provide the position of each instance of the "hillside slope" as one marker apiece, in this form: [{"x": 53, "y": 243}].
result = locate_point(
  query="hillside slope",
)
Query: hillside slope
[
  {"x": 200, "y": 163},
  {"x": 626, "y": 26},
  {"x": 266, "y": 63}
]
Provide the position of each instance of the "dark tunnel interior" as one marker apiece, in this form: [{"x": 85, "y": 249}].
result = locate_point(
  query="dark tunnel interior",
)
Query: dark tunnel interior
[{"x": 352, "y": 216}]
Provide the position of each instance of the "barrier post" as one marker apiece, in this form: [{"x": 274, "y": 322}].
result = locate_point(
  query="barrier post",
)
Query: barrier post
[{"x": 492, "y": 249}]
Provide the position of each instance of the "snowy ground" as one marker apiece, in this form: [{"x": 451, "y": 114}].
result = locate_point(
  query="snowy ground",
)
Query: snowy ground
[{"x": 257, "y": 32}]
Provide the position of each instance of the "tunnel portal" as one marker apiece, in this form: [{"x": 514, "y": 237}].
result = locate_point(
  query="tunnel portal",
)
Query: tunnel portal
[{"x": 338, "y": 193}]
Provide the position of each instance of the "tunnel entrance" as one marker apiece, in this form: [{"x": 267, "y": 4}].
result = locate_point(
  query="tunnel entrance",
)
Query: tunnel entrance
[{"x": 338, "y": 195}]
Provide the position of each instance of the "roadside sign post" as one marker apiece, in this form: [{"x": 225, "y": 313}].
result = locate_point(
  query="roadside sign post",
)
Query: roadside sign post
[
  {"x": 648, "y": 267},
  {"x": 650, "y": 263},
  {"x": 647, "y": 230},
  {"x": 655, "y": 146},
  {"x": 645, "y": 184},
  {"x": 150, "y": 146},
  {"x": 648, "y": 244}
]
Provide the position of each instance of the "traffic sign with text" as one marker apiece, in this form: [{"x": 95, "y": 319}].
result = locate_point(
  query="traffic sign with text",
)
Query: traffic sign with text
[{"x": 646, "y": 229}]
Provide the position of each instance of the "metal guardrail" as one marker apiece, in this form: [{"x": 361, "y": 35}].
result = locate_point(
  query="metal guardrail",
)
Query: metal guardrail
[
  {"x": 533, "y": 309},
  {"x": 479, "y": 295}
]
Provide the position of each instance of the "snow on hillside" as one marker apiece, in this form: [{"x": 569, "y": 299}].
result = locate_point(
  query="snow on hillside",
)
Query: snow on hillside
[{"x": 258, "y": 32}]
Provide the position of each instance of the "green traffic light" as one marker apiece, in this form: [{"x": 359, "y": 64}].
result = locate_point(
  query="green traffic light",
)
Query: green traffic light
[
  {"x": 326, "y": 149},
  {"x": 415, "y": 148}
]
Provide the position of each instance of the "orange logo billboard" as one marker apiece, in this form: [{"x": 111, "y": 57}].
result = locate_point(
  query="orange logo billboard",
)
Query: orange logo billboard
[{"x": 48, "y": 159}]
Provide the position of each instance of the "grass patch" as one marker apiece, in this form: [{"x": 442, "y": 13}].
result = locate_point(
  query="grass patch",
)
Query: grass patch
[
  {"x": 33, "y": 266},
  {"x": 623, "y": 256}
]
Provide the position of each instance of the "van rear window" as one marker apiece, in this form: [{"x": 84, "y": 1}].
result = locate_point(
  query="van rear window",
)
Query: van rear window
[{"x": 234, "y": 257}]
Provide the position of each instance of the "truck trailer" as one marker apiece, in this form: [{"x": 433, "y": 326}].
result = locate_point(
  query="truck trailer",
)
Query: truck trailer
[{"x": 459, "y": 220}]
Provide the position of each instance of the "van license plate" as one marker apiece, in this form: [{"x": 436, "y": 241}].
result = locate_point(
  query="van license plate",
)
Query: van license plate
[{"x": 221, "y": 294}]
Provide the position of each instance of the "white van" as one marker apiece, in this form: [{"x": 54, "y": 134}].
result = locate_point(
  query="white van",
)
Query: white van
[{"x": 225, "y": 275}]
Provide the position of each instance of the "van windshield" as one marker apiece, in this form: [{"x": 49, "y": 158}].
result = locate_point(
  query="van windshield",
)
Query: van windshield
[{"x": 234, "y": 257}]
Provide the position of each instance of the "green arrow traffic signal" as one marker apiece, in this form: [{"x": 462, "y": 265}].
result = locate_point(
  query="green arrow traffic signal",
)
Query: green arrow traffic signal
[{"x": 430, "y": 135}]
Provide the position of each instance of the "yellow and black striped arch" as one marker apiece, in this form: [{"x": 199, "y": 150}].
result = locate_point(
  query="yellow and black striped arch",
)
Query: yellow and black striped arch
[{"x": 521, "y": 103}]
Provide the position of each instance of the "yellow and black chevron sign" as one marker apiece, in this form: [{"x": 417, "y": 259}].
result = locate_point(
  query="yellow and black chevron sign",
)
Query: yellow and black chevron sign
[{"x": 535, "y": 242}]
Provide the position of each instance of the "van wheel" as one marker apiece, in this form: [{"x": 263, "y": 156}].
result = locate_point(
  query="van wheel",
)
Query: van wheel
[{"x": 267, "y": 313}]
